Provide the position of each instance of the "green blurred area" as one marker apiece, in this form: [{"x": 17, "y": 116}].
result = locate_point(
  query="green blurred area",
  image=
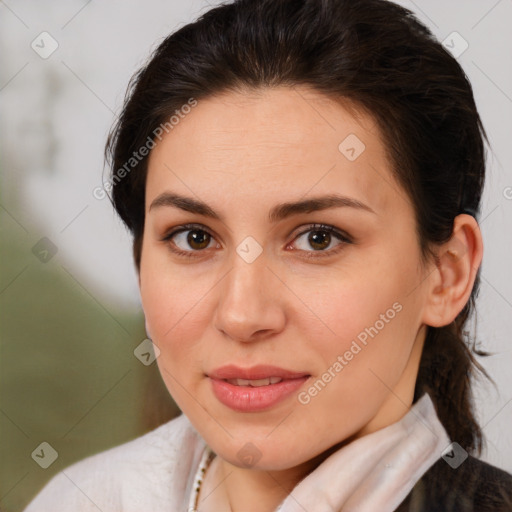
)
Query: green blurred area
[{"x": 68, "y": 374}]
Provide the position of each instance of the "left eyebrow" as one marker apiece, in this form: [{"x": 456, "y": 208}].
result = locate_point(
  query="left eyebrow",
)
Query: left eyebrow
[
  {"x": 284, "y": 210},
  {"x": 279, "y": 212}
]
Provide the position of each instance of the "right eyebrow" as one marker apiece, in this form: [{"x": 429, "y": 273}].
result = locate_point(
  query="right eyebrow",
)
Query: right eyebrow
[{"x": 184, "y": 203}]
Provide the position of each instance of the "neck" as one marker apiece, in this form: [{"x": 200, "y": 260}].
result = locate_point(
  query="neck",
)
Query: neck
[{"x": 228, "y": 488}]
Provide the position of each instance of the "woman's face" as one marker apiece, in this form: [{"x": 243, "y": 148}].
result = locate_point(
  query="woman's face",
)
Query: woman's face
[{"x": 255, "y": 281}]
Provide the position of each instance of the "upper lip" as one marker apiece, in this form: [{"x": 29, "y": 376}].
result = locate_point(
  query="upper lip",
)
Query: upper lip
[{"x": 254, "y": 372}]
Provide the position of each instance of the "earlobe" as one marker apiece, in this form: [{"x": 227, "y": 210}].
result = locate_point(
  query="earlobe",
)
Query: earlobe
[
  {"x": 457, "y": 263},
  {"x": 146, "y": 324},
  {"x": 148, "y": 330}
]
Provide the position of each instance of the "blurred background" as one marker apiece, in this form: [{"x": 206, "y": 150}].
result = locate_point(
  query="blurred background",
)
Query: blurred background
[{"x": 69, "y": 305}]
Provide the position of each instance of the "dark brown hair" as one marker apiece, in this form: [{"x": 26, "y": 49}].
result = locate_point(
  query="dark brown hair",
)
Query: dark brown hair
[{"x": 374, "y": 53}]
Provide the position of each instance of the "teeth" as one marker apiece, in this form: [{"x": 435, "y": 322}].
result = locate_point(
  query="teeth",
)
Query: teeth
[{"x": 256, "y": 382}]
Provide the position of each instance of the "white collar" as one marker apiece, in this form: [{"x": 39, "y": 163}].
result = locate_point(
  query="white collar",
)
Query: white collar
[{"x": 374, "y": 472}]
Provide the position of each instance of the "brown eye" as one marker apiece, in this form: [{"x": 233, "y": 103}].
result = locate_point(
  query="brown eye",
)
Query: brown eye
[
  {"x": 319, "y": 240},
  {"x": 198, "y": 239},
  {"x": 189, "y": 239},
  {"x": 322, "y": 239}
]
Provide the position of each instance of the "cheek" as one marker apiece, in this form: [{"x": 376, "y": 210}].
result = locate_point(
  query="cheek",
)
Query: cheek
[
  {"x": 371, "y": 325},
  {"x": 174, "y": 309},
  {"x": 170, "y": 293},
  {"x": 175, "y": 317},
  {"x": 172, "y": 312},
  {"x": 360, "y": 338}
]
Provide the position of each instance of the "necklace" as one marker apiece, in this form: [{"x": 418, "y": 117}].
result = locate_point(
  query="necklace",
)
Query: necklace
[{"x": 206, "y": 459}]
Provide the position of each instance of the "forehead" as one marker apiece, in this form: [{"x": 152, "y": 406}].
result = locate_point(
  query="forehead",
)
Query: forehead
[{"x": 273, "y": 144}]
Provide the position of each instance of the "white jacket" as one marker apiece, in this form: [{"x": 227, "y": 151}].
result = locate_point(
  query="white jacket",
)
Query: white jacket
[{"x": 155, "y": 472}]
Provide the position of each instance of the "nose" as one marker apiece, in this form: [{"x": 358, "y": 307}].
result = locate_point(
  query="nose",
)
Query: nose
[{"x": 250, "y": 305}]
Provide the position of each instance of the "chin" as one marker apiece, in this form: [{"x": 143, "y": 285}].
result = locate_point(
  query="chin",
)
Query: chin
[{"x": 255, "y": 457}]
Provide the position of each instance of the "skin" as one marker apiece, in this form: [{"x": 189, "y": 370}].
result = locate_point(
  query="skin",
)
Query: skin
[{"x": 243, "y": 153}]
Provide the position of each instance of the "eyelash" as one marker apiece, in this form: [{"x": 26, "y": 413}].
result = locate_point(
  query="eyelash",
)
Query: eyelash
[{"x": 341, "y": 236}]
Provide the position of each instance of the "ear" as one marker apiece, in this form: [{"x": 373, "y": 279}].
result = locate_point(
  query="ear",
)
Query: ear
[{"x": 451, "y": 281}]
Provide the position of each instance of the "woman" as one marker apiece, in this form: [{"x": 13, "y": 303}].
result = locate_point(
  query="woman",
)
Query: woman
[{"x": 302, "y": 181}]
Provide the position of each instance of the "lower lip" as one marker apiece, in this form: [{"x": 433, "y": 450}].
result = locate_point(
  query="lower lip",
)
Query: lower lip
[{"x": 253, "y": 399}]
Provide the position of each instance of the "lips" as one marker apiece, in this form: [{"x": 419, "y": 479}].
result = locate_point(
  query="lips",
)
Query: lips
[
  {"x": 254, "y": 373},
  {"x": 254, "y": 389}
]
